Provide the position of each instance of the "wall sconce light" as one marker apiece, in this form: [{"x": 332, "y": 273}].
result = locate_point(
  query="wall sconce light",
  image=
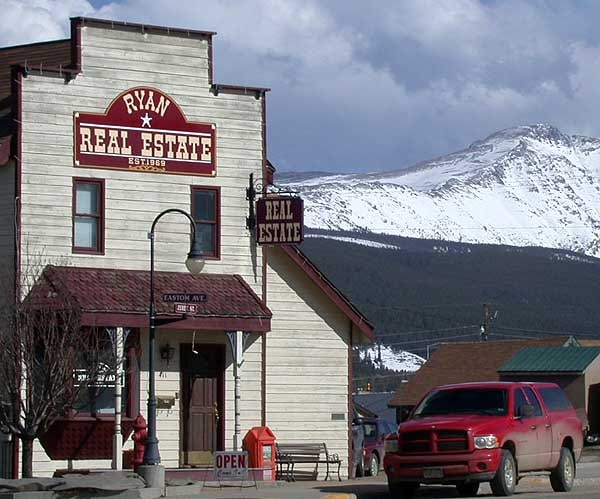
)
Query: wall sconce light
[{"x": 167, "y": 352}]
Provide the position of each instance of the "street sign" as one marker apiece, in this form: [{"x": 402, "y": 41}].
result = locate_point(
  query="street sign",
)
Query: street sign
[
  {"x": 231, "y": 465},
  {"x": 184, "y": 297},
  {"x": 185, "y": 308}
]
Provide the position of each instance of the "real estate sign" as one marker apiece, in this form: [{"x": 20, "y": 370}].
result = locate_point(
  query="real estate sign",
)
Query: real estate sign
[
  {"x": 144, "y": 129},
  {"x": 280, "y": 220}
]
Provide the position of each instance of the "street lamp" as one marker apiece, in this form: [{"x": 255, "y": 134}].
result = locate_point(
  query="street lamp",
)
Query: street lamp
[{"x": 194, "y": 263}]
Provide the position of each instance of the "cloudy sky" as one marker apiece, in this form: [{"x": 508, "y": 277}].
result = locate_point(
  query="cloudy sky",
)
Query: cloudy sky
[{"x": 380, "y": 85}]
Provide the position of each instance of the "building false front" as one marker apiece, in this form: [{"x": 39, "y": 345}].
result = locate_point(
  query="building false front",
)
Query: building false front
[{"x": 100, "y": 134}]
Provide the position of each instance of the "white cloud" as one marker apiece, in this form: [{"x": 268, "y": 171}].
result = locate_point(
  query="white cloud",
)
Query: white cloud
[
  {"x": 38, "y": 20},
  {"x": 377, "y": 86}
]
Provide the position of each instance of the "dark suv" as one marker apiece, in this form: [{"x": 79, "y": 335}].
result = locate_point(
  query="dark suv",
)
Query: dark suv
[{"x": 370, "y": 455}]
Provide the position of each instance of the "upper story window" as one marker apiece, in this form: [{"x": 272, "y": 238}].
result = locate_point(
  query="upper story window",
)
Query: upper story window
[
  {"x": 206, "y": 213},
  {"x": 88, "y": 215}
]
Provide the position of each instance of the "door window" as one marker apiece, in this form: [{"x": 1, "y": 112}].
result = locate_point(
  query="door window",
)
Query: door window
[
  {"x": 533, "y": 400},
  {"x": 520, "y": 402}
]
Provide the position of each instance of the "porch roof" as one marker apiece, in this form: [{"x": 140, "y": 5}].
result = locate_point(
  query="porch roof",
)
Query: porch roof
[{"x": 111, "y": 297}]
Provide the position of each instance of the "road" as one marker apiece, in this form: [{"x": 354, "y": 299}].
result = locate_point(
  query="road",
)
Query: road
[
  {"x": 376, "y": 488},
  {"x": 587, "y": 486}
]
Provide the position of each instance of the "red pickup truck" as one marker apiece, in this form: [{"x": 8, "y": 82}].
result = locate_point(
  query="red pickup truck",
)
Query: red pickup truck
[{"x": 469, "y": 433}]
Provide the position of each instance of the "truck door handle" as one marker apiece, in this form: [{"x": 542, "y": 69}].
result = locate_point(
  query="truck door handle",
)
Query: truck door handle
[
  {"x": 533, "y": 427},
  {"x": 548, "y": 425}
]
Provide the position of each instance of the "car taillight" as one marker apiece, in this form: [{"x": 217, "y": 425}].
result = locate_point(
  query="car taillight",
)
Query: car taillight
[{"x": 391, "y": 443}]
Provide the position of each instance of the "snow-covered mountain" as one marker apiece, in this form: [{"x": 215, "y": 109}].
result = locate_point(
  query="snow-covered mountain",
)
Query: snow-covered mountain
[
  {"x": 524, "y": 186},
  {"x": 400, "y": 361}
]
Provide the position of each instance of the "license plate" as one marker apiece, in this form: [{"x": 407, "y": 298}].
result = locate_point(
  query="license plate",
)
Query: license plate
[{"x": 433, "y": 473}]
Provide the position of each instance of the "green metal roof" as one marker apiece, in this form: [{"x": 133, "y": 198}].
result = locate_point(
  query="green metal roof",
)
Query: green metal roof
[{"x": 551, "y": 359}]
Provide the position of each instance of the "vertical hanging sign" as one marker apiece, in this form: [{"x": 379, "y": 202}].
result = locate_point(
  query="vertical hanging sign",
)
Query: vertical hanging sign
[
  {"x": 144, "y": 129},
  {"x": 280, "y": 220}
]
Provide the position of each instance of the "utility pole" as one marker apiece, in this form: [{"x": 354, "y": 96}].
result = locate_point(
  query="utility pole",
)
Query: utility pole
[{"x": 485, "y": 326}]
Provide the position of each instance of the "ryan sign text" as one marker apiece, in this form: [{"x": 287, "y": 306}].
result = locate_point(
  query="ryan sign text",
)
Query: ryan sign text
[
  {"x": 279, "y": 220},
  {"x": 144, "y": 129}
]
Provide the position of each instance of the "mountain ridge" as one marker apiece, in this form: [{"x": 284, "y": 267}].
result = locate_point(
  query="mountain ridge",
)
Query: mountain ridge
[{"x": 524, "y": 186}]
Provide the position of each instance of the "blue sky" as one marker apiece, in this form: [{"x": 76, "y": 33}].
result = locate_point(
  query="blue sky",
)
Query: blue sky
[{"x": 365, "y": 86}]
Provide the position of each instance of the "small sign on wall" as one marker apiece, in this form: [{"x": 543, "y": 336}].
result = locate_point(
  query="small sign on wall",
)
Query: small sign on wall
[{"x": 280, "y": 220}]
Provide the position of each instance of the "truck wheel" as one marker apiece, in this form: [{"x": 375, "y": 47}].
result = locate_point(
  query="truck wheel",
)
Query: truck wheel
[
  {"x": 563, "y": 476},
  {"x": 505, "y": 481},
  {"x": 373, "y": 466},
  {"x": 360, "y": 468},
  {"x": 402, "y": 490},
  {"x": 467, "y": 489}
]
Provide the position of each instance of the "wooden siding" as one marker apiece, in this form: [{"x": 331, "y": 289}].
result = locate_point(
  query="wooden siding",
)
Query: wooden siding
[
  {"x": 114, "y": 60},
  {"x": 307, "y": 360},
  {"x": 7, "y": 215}
]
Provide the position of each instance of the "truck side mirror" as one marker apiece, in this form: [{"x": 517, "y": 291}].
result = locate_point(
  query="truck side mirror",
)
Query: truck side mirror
[
  {"x": 404, "y": 413},
  {"x": 526, "y": 411}
]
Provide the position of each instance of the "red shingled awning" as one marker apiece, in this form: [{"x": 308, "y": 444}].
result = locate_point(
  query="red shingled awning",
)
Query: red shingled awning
[{"x": 110, "y": 297}]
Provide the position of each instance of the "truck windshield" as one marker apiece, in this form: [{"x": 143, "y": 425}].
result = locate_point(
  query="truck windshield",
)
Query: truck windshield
[{"x": 485, "y": 401}]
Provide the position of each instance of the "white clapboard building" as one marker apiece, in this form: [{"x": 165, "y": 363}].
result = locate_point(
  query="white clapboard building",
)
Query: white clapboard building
[{"x": 102, "y": 133}]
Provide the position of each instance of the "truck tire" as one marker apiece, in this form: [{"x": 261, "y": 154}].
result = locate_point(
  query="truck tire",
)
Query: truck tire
[
  {"x": 360, "y": 468},
  {"x": 402, "y": 490},
  {"x": 373, "y": 469},
  {"x": 505, "y": 481},
  {"x": 563, "y": 476},
  {"x": 467, "y": 489}
]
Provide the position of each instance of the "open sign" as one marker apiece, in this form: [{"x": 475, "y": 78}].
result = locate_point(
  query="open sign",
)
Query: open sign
[{"x": 231, "y": 465}]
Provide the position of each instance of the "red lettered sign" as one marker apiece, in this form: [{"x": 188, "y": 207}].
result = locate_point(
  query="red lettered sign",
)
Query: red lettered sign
[
  {"x": 279, "y": 220},
  {"x": 144, "y": 129},
  {"x": 231, "y": 465}
]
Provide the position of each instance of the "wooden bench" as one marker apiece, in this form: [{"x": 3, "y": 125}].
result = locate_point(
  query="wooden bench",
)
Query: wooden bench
[{"x": 288, "y": 455}]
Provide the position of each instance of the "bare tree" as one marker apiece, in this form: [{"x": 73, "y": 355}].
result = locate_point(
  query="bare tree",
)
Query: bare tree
[{"x": 46, "y": 361}]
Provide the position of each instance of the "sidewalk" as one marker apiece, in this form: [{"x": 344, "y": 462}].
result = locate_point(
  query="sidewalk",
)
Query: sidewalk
[{"x": 125, "y": 485}]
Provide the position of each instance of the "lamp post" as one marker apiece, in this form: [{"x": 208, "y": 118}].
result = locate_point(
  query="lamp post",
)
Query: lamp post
[{"x": 194, "y": 263}]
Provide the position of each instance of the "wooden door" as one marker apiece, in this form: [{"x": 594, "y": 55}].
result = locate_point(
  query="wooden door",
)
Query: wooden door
[{"x": 202, "y": 396}]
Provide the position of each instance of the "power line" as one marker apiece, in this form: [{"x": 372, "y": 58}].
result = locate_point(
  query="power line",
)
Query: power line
[
  {"x": 543, "y": 331},
  {"x": 429, "y": 340},
  {"x": 421, "y": 331},
  {"x": 375, "y": 377},
  {"x": 419, "y": 306},
  {"x": 516, "y": 336}
]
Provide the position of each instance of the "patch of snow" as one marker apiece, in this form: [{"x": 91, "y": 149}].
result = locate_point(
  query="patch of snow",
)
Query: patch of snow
[
  {"x": 399, "y": 361},
  {"x": 353, "y": 240}
]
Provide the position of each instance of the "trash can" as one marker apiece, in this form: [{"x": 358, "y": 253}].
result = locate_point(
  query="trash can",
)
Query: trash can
[{"x": 259, "y": 442}]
